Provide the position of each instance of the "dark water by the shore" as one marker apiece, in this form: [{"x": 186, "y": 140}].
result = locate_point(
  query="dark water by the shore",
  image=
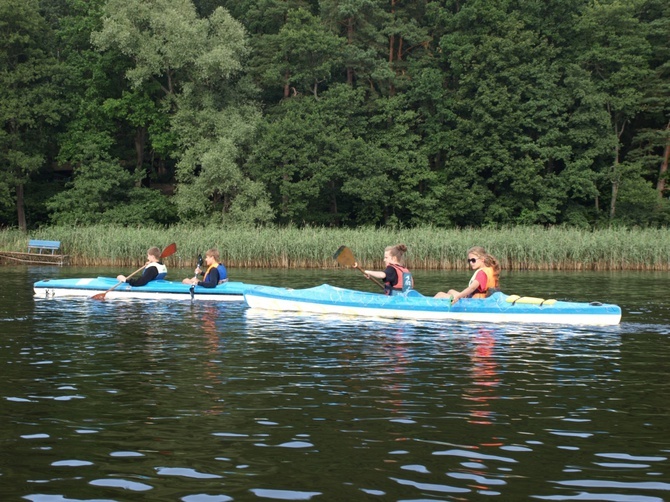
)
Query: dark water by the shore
[{"x": 122, "y": 400}]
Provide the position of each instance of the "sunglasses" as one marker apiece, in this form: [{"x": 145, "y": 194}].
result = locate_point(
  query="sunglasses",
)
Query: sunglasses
[{"x": 472, "y": 260}]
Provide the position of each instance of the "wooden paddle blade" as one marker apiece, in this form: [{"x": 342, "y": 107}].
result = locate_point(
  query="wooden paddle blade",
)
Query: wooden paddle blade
[
  {"x": 339, "y": 250},
  {"x": 169, "y": 251},
  {"x": 101, "y": 296},
  {"x": 344, "y": 256}
]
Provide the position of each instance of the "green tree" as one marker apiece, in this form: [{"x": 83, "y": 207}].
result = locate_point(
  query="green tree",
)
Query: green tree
[
  {"x": 503, "y": 124},
  {"x": 359, "y": 22},
  {"x": 104, "y": 127},
  {"x": 263, "y": 17},
  {"x": 142, "y": 117},
  {"x": 616, "y": 52},
  {"x": 104, "y": 192},
  {"x": 394, "y": 185},
  {"x": 450, "y": 112},
  {"x": 300, "y": 58},
  {"x": 326, "y": 161},
  {"x": 197, "y": 62},
  {"x": 305, "y": 151},
  {"x": 212, "y": 136},
  {"x": 651, "y": 143},
  {"x": 495, "y": 172},
  {"x": 30, "y": 104}
]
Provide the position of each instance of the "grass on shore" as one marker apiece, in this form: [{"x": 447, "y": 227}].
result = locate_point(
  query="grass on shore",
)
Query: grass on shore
[{"x": 518, "y": 248}]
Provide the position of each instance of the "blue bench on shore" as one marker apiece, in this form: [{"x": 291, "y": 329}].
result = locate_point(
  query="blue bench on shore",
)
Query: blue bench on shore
[
  {"x": 39, "y": 246},
  {"x": 39, "y": 252}
]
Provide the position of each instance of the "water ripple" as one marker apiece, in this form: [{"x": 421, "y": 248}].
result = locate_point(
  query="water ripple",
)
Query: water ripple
[
  {"x": 180, "y": 400},
  {"x": 283, "y": 494},
  {"x": 125, "y": 484}
]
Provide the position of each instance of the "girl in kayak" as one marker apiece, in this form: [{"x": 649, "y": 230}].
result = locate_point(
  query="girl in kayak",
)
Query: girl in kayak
[
  {"x": 396, "y": 276},
  {"x": 484, "y": 281}
]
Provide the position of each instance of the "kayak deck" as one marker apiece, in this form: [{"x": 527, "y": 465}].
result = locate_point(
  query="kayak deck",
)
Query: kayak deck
[
  {"x": 88, "y": 287},
  {"x": 327, "y": 299}
]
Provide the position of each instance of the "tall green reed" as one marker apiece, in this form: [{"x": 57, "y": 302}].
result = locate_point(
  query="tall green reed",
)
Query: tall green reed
[{"x": 517, "y": 248}]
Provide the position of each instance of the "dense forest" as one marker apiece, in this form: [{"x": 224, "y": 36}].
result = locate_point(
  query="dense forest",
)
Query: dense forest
[{"x": 448, "y": 113}]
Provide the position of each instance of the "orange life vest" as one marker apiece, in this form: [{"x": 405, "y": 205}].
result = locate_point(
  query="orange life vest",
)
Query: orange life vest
[{"x": 491, "y": 282}]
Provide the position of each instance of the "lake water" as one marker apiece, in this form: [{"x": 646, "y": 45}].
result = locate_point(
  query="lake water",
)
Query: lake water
[{"x": 168, "y": 401}]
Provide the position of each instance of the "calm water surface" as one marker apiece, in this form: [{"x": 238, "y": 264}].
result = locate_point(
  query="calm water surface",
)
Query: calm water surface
[{"x": 130, "y": 400}]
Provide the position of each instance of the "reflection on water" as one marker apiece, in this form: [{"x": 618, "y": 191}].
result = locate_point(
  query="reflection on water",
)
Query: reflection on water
[
  {"x": 484, "y": 374},
  {"x": 199, "y": 402}
]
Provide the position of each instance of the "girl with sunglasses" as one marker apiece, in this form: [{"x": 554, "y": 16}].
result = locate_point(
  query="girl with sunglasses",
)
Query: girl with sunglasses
[{"x": 484, "y": 281}]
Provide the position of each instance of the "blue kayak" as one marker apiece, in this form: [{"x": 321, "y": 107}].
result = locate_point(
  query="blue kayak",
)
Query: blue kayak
[
  {"x": 499, "y": 307},
  {"x": 155, "y": 290}
]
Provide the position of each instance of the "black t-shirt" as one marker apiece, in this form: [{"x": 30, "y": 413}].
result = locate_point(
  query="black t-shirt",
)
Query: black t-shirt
[{"x": 149, "y": 274}]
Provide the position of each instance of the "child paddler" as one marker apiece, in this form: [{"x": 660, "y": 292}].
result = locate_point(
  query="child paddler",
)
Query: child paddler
[
  {"x": 214, "y": 274},
  {"x": 153, "y": 270}
]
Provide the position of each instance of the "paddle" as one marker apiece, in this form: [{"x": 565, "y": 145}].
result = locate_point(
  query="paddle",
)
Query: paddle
[
  {"x": 345, "y": 257},
  {"x": 195, "y": 276},
  {"x": 199, "y": 265},
  {"x": 168, "y": 251}
]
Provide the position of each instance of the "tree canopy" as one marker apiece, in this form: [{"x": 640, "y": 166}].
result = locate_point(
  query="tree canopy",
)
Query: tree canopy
[{"x": 334, "y": 112}]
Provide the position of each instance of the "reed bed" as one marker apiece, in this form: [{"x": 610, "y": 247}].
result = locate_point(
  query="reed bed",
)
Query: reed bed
[{"x": 518, "y": 248}]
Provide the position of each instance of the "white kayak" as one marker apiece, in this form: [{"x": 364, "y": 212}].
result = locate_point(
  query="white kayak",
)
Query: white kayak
[
  {"x": 498, "y": 308},
  {"x": 154, "y": 290}
]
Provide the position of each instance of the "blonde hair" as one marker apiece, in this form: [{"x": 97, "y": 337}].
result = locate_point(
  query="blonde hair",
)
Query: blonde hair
[
  {"x": 397, "y": 251},
  {"x": 489, "y": 260},
  {"x": 155, "y": 252},
  {"x": 214, "y": 253}
]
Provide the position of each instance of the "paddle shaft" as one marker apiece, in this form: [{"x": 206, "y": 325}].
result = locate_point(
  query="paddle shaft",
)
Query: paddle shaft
[
  {"x": 168, "y": 251},
  {"x": 373, "y": 279},
  {"x": 199, "y": 264},
  {"x": 127, "y": 277}
]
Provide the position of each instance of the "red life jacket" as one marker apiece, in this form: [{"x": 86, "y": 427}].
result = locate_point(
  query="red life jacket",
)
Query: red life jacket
[{"x": 404, "y": 280}]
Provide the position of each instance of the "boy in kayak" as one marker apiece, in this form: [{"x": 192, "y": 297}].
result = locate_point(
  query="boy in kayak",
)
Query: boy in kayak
[
  {"x": 153, "y": 270},
  {"x": 215, "y": 273}
]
